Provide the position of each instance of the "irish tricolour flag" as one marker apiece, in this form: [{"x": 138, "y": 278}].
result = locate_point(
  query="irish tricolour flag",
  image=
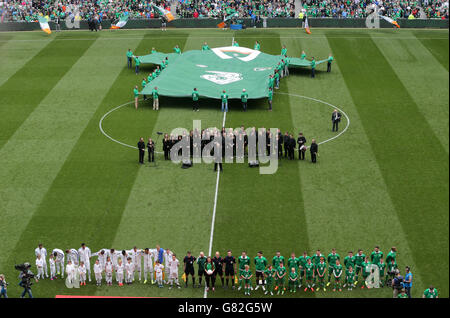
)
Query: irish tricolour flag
[
  {"x": 391, "y": 21},
  {"x": 123, "y": 20},
  {"x": 43, "y": 22},
  {"x": 163, "y": 12}
]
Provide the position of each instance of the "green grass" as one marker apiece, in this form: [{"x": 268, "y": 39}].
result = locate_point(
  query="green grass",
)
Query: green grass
[{"x": 384, "y": 182}]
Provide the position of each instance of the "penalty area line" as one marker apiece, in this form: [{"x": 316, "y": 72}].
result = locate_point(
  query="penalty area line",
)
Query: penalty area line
[{"x": 213, "y": 220}]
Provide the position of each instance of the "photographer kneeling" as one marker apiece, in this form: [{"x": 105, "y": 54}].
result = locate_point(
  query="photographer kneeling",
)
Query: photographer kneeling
[{"x": 397, "y": 283}]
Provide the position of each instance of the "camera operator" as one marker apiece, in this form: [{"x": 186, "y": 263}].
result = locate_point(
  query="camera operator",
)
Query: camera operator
[
  {"x": 25, "y": 279},
  {"x": 397, "y": 284}
]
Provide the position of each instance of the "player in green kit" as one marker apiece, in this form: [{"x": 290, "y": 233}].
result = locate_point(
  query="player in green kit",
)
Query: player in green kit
[
  {"x": 403, "y": 294},
  {"x": 205, "y": 47},
  {"x": 153, "y": 50},
  {"x": 382, "y": 271},
  {"x": 302, "y": 260},
  {"x": 269, "y": 273},
  {"x": 246, "y": 277},
  {"x": 270, "y": 98},
  {"x": 242, "y": 261},
  {"x": 257, "y": 47},
  {"x": 349, "y": 261},
  {"x": 430, "y": 293},
  {"x": 309, "y": 274},
  {"x": 316, "y": 260},
  {"x": 195, "y": 96},
  {"x": 365, "y": 270},
  {"x": 292, "y": 263},
  {"x": 281, "y": 278},
  {"x": 260, "y": 267},
  {"x": 149, "y": 78},
  {"x": 350, "y": 277},
  {"x": 293, "y": 277},
  {"x": 392, "y": 255},
  {"x": 359, "y": 259},
  {"x": 331, "y": 259},
  {"x": 244, "y": 97},
  {"x": 177, "y": 49},
  {"x": 235, "y": 43},
  {"x": 276, "y": 260},
  {"x": 376, "y": 255},
  {"x": 321, "y": 270},
  {"x": 337, "y": 274},
  {"x": 283, "y": 50},
  {"x": 136, "y": 96},
  {"x": 303, "y": 56}
]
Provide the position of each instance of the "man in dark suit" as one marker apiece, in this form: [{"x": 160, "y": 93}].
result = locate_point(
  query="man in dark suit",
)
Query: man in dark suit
[
  {"x": 151, "y": 150},
  {"x": 141, "y": 147},
  {"x": 314, "y": 149},
  {"x": 291, "y": 147},
  {"x": 335, "y": 119},
  {"x": 286, "y": 142},
  {"x": 301, "y": 141}
]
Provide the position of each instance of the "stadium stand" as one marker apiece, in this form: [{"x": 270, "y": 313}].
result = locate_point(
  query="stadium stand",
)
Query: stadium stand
[{"x": 27, "y": 10}]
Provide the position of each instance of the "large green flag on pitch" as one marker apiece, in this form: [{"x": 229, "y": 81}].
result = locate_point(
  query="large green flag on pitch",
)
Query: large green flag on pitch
[{"x": 225, "y": 68}]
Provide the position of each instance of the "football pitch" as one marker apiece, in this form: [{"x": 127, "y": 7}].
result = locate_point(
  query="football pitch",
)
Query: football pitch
[{"x": 384, "y": 181}]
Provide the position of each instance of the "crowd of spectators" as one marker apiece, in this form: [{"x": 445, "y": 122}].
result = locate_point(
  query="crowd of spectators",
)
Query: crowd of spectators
[
  {"x": 30, "y": 10},
  {"x": 436, "y": 9},
  {"x": 245, "y": 8}
]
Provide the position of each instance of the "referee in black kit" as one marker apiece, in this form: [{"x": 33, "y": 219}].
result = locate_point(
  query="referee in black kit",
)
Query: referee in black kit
[
  {"x": 189, "y": 268},
  {"x": 141, "y": 147}
]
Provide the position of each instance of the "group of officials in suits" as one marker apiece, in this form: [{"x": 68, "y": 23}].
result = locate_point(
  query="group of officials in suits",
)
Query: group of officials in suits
[{"x": 286, "y": 142}]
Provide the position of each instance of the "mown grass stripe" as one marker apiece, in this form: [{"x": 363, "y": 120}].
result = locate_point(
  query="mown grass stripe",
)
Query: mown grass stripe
[
  {"x": 437, "y": 46},
  {"x": 14, "y": 55},
  {"x": 59, "y": 120},
  {"x": 260, "y": 212},
  {"x": 421, "y": 80},
  {"x": 187, "y": 194},
  {"x": 28, "y": 87},
  {"x": 345, "y": 223},
  {"x": 406, "y": 160}
]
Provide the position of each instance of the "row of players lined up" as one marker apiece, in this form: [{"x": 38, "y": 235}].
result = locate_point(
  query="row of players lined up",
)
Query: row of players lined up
[
  {"x": 229, "y": 139},
  {"x": 162, "y": 265}
]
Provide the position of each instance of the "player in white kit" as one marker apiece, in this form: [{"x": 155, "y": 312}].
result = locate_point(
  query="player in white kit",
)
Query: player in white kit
[
  {"x": 148, "y": 264},
  {"x": 115, "y": 255},
  {"x": 52, "y": 263},
  {"x": 159, "y": 273},
  {"x": 43, "y": 252},
  {"x": 98, "y": 270},
  {"x": 173, "y": 264},
  {"x": 70, "y": 271},
  {"x": 129, "y": 271},
  {"x": 72, "y": 254},
  {"x": 40, "y": 267},
  {"x": 167, "y": 258},
  {"x": 119, "y": 272},
  {"x": 102, "y": 255},
  {"x": 136, "y": 257},
  {"x": 109, "y": 268},
  {"x": 82, "y": 271},
  {"x": 84, "y": 254},
  {"x": 59, "y": 260}
]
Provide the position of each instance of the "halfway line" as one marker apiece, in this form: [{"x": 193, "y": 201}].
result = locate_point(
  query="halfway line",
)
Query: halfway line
[{"x": 205, "y": 295}]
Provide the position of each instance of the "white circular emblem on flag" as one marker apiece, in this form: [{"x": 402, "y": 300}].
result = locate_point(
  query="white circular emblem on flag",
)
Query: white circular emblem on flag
[{"x": 222, "y": 78}]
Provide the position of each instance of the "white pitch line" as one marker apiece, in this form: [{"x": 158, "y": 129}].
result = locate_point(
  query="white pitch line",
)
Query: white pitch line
[
  {"x": 328, "y": 104},
  {"x": 211, "y": 237}
]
